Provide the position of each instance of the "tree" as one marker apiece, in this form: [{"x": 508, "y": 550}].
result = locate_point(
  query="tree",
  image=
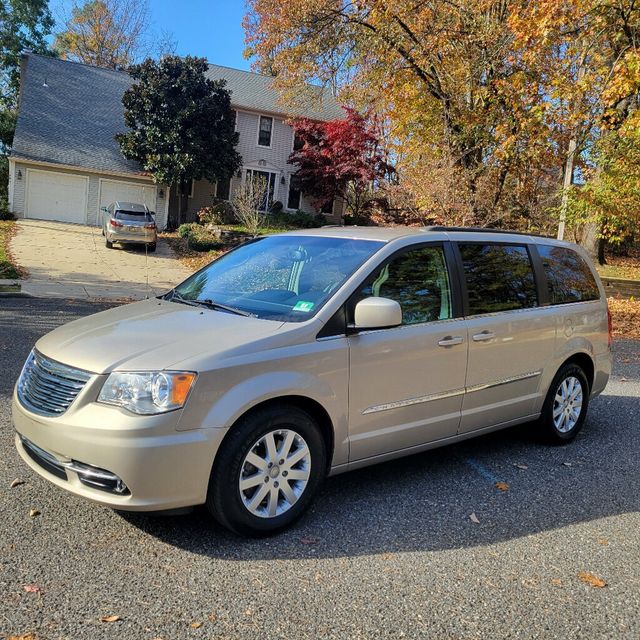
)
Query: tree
[
  {"x": 249, "y": 201},
  {"x": 443, "y": 77},
  {"x": 181, "y": 125},
  {"x": 342, "y": 158},
  {"x": 24, "y": 24},
  {"x": 105, "y": 33}
]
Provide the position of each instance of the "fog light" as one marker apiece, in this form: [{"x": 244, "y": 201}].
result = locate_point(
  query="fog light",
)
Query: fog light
[{"x": 97, "y": 478}]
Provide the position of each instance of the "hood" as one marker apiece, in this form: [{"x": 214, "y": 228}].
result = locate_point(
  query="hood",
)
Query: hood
[{"x": 149, "y": 335}]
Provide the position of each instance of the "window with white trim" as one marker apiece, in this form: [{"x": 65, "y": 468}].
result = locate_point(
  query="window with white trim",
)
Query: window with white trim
[
  {"x": 265, "y": 129},
  {"x": 270, "y": 180}
]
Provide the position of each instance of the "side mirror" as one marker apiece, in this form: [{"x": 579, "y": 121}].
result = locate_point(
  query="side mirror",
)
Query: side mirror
[
  {"x": 104, "y": 209},
  {"x": 377, "y": 313}
]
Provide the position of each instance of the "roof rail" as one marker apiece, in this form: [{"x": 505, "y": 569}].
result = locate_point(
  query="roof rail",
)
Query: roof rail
[{"x": 483, "y": 230}]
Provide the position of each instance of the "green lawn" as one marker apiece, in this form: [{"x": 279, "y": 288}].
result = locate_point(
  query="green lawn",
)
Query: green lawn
[{"x": 7, "y": 268}]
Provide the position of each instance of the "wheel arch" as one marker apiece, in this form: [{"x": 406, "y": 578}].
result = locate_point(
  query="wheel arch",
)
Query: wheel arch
[
  {"x": 306, "y": 404},
  {"x": 585, "y": 362}
]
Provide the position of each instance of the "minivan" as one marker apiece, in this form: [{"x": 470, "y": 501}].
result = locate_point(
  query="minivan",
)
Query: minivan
[{"x": 310, "y": 353}]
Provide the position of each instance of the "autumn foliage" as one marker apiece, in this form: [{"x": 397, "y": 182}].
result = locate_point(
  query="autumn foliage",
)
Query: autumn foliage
[
  {"x": 483, "y": 103},
  {"x": 342, "y": 158}
]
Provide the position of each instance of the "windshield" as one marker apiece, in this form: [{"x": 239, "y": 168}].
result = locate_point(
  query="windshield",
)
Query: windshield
[{"x": 279, "y": 277}]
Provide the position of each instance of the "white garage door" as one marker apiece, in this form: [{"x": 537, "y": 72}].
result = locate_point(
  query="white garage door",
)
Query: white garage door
[
  {"x": 56, "y": 196},
  {"x": 112, "y": 190}
]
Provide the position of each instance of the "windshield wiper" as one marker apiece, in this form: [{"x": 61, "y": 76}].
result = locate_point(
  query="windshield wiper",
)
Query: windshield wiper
[{"x": 210, "y": 304}]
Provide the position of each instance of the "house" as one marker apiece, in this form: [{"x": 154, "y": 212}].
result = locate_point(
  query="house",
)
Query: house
[{"x": 65, "y": 163}]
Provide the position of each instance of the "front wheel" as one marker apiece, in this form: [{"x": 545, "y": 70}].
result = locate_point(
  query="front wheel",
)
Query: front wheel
[
  {"x": 267, "y": 471},
  {"x": 151, "y": 247},
  {"x": 565, "y": 406},
  {"x": 108, "y": 243}
]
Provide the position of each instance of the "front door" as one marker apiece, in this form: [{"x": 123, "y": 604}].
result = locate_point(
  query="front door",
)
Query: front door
[{"x": 407, "y": 383}]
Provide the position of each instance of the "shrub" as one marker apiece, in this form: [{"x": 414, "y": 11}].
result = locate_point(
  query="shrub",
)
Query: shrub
[
  {"x": 276, "y": 207},
  {"x": 299, "y": 219},
  {"x": 214, "y": 214},
  {"x": 199, "y": 239},
  {"x": 5, "y": 214},
  {"x": 184, "y": 230}
]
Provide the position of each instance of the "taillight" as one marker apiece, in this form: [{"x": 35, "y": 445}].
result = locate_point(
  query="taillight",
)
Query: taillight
[
  {"x": 610, "y": 325},
  {"x": 150, "y": 225},
  {"x": 114, "y": 223}
]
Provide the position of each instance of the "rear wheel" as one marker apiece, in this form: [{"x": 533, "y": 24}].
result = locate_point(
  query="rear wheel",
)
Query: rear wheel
[
  {"x": 151, "y": 247},
  {"x": 565, "y": 407},
  {"x": 267, "y": 471}
]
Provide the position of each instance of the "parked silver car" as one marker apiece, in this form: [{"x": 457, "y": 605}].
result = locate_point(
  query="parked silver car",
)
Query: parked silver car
[
  {"x": 129, "y": 223},
  {"x": 312, "y": 353}
]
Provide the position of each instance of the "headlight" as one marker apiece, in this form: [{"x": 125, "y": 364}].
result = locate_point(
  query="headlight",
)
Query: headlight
[{"x": 147, "y": 392}]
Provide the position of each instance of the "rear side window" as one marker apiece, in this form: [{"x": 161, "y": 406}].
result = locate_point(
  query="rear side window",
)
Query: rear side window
[
  {"x": 569, "y": 277},
  {"x": 498, "y": 277}
]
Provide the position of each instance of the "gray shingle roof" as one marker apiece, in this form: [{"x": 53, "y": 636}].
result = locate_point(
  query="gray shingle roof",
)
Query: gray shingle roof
[
  {"x": 70, "y": 112},
  {"x": 255, "y": 92}
]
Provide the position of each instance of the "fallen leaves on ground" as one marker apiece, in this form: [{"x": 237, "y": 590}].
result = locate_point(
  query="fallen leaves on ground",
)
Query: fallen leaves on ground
[
  {"x": 195, "y": 625},
  {"x": 556, "y": 582},
  {"x": 592, "y": 580},
  {"x": 474, "y": 518},
  {"x": 603, "y": 541},
  {"x": 309, "y": 540},
  {"x": 25, "y": 636},
  {"x": 33, "y": 513},
  {"x": 503, "y": 486},
  {"x": 111, "y": 618},
  {"x": 16, "y": 483},
  {"x": 625, "y": 318},
  {"x": 519, "y": 465},
  {"x": 32, "y": 588}
]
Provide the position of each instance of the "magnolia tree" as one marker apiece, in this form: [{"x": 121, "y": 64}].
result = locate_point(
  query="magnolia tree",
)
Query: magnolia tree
[
  {"x": 342, "y": 158},
  {"x": 181, "y": 125}
]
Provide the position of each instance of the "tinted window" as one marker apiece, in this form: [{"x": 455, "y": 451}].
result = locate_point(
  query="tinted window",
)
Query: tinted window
[
  {"x": 418, "y": 281},
  {"x": 280, "y": 277},
  {"x": 568, "y": 276},
  {"x": 499, "y": 277},
  {"x": 138, "y": 216}
]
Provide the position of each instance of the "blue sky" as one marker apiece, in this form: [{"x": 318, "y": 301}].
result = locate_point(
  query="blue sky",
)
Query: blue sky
[{"x": 207, "y": 28}]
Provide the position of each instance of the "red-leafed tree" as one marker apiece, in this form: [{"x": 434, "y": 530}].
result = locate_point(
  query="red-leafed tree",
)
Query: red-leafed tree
[{"x": 341, "y": 158}]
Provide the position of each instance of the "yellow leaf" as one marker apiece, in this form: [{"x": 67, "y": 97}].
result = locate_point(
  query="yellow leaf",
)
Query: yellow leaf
[
  {"x": 503, "y": 486},
  {"x": 110, "y": 618},
  {"x": 195, "y": 625},
  {"x": 592, "y": 580}
]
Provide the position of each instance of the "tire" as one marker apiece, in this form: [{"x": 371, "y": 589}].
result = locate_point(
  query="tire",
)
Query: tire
[
  {"x": 246, "y": 512},
  {"x": 151, "y": 247},
  {"x": 108, "y": 244},
  {"x": 564, "y": 427}
]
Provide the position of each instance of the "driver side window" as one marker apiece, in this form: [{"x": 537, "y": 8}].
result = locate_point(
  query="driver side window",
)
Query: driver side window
[{"x": 418, "y": 281}]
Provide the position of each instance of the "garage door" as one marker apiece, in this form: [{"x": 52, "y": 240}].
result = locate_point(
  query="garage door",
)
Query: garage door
[
  {"x": 112, "y": 190},
  {"x": 56, "y": 196}
]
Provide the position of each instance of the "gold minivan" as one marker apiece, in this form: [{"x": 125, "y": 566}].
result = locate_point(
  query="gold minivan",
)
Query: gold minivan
[{"x": 311, "y": 353}]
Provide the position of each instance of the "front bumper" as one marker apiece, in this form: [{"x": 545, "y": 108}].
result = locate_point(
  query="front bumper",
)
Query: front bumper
[{"x": 162, "y": 468}]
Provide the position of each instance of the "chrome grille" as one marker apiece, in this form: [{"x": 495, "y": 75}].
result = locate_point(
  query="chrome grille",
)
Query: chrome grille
[{"x": 48, "y": 387}]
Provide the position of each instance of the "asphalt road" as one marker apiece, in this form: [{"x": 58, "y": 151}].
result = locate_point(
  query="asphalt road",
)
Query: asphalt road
[{"x": 389, "y": 551}]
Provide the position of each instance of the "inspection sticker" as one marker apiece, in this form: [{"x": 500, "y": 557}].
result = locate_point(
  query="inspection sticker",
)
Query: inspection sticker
[{"x": 303, "y": 306}]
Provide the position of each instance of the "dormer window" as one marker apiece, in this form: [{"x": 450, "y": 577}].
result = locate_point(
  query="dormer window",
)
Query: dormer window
[{"x": 264, "y": 131}]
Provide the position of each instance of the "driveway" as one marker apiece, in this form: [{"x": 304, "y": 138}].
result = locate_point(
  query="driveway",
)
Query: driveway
[
  {"x": 386, "y": 552},
  {"x": 71, "y": 261}
]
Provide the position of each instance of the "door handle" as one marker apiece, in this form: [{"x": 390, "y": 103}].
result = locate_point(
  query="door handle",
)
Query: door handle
[
  {"x": 450, "y": 341},
  {"x": 484, "y": 336}
]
